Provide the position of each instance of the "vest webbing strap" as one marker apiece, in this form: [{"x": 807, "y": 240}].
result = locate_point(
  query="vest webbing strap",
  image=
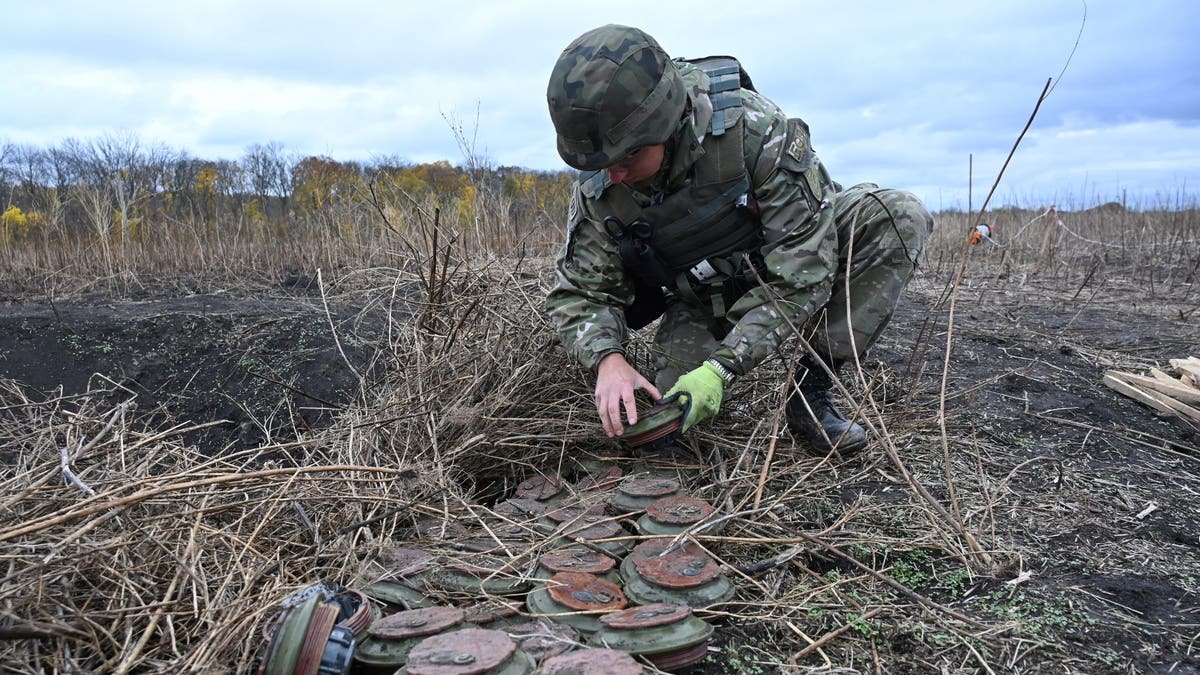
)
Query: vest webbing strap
[
  {"x": 708, "y": 220},
  {"x": 724, "y": 83},
  {"x": 687, "y": 225},
  {"x": 724, "y": 79},
  {"x": 729, "y": 237}
]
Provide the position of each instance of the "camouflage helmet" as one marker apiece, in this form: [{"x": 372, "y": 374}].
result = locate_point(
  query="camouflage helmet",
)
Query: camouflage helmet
[{"x": 613, "y": 91}]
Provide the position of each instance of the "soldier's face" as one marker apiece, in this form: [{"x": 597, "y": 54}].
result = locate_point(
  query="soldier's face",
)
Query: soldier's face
[{"x": 639, "y": 166}]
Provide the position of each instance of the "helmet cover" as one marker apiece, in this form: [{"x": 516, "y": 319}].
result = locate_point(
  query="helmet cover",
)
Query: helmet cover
[{"x": 613, "y": 91}]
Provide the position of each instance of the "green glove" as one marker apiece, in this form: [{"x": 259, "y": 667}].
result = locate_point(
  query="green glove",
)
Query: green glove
[{"x": 704, "y": 387}]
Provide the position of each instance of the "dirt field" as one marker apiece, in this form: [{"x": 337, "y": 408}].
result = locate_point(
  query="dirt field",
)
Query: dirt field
[
  {"x": 1085, "y": 503},
  {"x": 264, "y": 367},
  {"x": 1097, "y": 497}
]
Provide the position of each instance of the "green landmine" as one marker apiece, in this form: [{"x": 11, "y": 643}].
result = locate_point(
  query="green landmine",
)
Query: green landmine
[
  {"x": 391, "y": 639},
  {"x": 576, "y": 599},
  {"x": 471, "y": 651},
  {"x": 670, "y": 636},
  {"x": 671, "y": 515}
]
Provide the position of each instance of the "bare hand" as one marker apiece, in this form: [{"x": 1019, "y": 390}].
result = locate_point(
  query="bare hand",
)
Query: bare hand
[{"x": 616, "y": 382}]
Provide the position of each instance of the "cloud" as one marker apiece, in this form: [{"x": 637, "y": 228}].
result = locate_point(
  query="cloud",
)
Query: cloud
[{"x": 900, "y": 94}]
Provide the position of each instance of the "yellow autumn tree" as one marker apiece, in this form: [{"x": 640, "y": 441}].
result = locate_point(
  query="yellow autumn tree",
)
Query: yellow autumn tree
[{"x": 13, "y": 221}]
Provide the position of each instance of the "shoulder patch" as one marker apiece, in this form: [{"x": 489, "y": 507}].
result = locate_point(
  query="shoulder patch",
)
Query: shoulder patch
[
  {"x": 574, "y": 212},
  {"x": 797, "y": 152},
  {"x": 574, "y": 218}
]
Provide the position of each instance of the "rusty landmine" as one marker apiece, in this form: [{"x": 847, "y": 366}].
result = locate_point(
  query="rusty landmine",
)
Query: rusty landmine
[
  {"x": 520, "y": 510},
  {"x": 486, "y": 564},
  {"x": 635, "y": 493},
  {"x": 665, "y": 633},
  {"x": 312, "y": 648},
  {"x": 405, "y": 561},
  {"x": 488, "y": 544},
  {"x": 646, "y": 616},
  {"x": 398, "y": 596},
  {"x": 575, "y": 512},
  {"x": 540, "y": 488},
  {"x": 491, "y": 610},
  {"x": 672, "y": 661},
  {"x": 272, "y": 626},
  {"x": 416, "y": 622},
  {"x": 592, "y": 661},
  {"x": 602, "y": 479},
  {"x": 464, "y": 652},
  {"x": 583, "y": 592},
  {"x": 659, "y": 423},
  {"x": 577, "y": 559},
  {"x": 653, "y": 548},
  {"x": 513, "y": 532},
  {"x": 543, "y": 639},
  {"x": 649, "y": 486},
  {"x": 285, "y": 635},
  {"x": 482, "y": 573},
  {"x": 356, "y": 610},
  {"x": 594, "y": 527},
  {"x": 607, "y": 535},
  {"x": 439, "y": 529},
  {"x": 667, "y": 432},
  {"x": 679, "y": 510},
  {"x": 678, "y": 570}
]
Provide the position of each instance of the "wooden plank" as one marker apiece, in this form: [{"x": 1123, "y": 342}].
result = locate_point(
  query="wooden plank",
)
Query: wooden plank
[
  {"x": 1170, "y": 386},
  {"x": 1189, "y": 367},
  {"x": 1113, "y": 379},
  {"x": 1184, "y": 379},
  {"x": 1182, "y": 409},
  {"x": 1160, "y": 402},
  {"x": 1160, "y": 375}
]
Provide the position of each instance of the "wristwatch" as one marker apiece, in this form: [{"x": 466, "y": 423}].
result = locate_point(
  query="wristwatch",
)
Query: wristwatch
[{"x": 724, "y": 372}]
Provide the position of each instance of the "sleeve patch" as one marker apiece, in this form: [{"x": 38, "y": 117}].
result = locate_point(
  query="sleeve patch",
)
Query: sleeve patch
[
  {"x": 798, "y": 155},
  {"x": 574, "y": 213},
  {"x": 574, "y": 217}
]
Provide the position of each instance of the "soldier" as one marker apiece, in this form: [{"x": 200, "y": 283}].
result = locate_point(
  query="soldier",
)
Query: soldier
[{"x": 701, "y": 202}]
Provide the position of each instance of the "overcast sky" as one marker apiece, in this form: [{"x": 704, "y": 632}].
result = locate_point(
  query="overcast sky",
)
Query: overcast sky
[{"x": 901, "y": 94}]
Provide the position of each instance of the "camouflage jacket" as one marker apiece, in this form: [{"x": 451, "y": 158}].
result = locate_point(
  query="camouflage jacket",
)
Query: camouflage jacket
[{"x": 800, "y": 247}]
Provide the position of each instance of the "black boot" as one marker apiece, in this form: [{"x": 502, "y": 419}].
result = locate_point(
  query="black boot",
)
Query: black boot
[{"x": 816, "y": 388}]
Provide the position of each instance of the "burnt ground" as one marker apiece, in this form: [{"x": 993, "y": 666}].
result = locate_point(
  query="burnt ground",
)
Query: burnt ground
[
  {"x": 1093, "y": 497},
  {"x": 1092, "y": 511},
  {"x": 264, "y": 368}
]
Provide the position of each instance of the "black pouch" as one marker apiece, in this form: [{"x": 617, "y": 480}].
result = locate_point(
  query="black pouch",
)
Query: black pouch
[
  {"x": 649, "y": 303},
  {"x": 642, "y": 263}
]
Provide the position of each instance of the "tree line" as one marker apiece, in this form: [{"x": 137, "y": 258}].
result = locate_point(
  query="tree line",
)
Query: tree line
[{"x": 120, "y": 189}]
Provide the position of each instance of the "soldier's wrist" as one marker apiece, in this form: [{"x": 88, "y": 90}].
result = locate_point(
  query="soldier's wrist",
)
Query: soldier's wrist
[
  {"x": 604, "y": 355},
  {"x": 724, "y": 356},
  {"x": 726, "y": 374}
]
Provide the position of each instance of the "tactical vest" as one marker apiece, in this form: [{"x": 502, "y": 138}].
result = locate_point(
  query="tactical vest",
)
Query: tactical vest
[{"x": 696, "y": 236}]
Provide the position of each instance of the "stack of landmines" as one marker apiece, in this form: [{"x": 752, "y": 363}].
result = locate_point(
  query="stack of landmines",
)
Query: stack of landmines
[
  {"x": 548, "y": 581},
  {"x": 1175, "y": 397}
]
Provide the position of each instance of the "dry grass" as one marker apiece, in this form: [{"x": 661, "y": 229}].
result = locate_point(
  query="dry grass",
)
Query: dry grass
[{"x": 125, "y": 550}]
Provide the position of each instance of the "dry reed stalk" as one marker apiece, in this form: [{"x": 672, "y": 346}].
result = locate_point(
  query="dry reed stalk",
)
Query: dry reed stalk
[
  {"x": 879, "y": 431},
  {"x": 472, "y": 401}
]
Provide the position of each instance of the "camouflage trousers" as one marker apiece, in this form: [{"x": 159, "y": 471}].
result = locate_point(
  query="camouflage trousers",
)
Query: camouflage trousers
[{"x": 881, "y": 236}]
